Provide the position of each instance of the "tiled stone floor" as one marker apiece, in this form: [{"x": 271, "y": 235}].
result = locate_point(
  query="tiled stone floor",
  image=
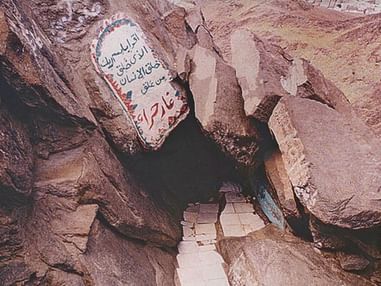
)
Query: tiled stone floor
[{"x": 199, "y": 262}]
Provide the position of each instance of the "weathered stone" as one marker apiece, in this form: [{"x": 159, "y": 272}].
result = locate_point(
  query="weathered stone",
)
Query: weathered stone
[
  {"x": 277, "y": 175},
  {"x": 14, "y": 271},
  {"x": 113, "y": 260},
  {"x": 16, "y": 158},
  {"x": 194, "y": 18},
  {"x": 219, "y": 106},
  {"x": 351, "y": 262},
  {"x": 332, "y": 161},
  {"x": 369, "y": 108},
  {"x": 74, "y": 227},
  {"x": 258, "y": 73},
  {"x": 28, "y": 67},
  {"x": 269, "y": 257},
  {"x": 111, "y": 117},
  {"x": 266, "y": 73},
  {"x": 57, "y": 277},
  {"x": 176, "y": 22},
  {"x": 92, "y": 174}
]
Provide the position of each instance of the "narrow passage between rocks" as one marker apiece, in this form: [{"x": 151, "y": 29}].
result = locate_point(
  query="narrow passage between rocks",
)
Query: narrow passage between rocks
[{"x": 199, "y": 263}]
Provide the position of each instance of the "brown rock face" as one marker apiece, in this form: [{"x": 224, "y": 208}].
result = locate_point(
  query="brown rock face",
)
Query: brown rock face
[
  {"x": 115, "y": 260},
  {"x": 92, "y": 174},
  {"x": 369, "y": 108},
  {"x": 16, "y": 157},
  {"x": 333, "y": 162},
  {"x": 269, "y": 257}
]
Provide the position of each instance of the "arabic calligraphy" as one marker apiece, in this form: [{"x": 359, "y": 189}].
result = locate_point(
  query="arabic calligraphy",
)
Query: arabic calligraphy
[{"x": 125, "y": 59}]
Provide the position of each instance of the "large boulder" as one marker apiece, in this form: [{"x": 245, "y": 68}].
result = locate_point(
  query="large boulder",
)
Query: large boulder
[
  {"x": 333, "y": 162},
  {"x": 269, "y": 257},
  {"x": 92, "y": 174},
  {"x": 266, "y": 73},
  {"x": 219, "y": 106}
]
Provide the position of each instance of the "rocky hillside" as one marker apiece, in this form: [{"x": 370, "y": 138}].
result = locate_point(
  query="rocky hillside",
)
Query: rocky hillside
[{"x": 116, "y": 116}]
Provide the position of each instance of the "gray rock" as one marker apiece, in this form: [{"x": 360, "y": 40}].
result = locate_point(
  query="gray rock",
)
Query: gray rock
[{"x": 333, "y": 162}]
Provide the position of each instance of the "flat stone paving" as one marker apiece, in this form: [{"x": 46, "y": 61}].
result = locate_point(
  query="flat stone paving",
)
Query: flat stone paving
[{"x": 198, "y": 260}]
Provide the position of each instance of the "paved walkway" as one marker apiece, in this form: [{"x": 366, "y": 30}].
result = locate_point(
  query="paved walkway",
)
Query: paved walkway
[{"x": 199, "y": 262}]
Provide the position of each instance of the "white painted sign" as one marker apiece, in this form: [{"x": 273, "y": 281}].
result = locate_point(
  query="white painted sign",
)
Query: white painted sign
[{"x": 124, "y": 58}]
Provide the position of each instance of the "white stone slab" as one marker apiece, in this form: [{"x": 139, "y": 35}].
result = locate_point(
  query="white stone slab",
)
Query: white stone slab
[
  {"x": 235, "y": 230},
  {"x": 187, "y": 223},
  {"x": 204, "y": 237},
  {"x": 210, "y": 257},
  {"x": 207, "y": 218},
  {"x": 190, "y": 275},
  {"x": 187, "y": 231},
  {"x": 229, "y": 219},
  {"x": 190, "y": 216},
  {"x": 207, "y": 242},
  {"x": 252, "y": 219},
  {"x": 209, "y": 208},
  {"x": 205, "y": 228},
  {"x": 229, "y": 209},
  {"x": 213, "y": 272},
  {"x": 188, "y": 260},
  {"x": 189, "y": 238},
  {"x": 207, "y": 247},
  {"x": 195, "y": 283},
  {"x": 250, "y": 228},
  {"x": 188, "y": 247},
  {"x": 243, "y": 207},
  {"x": 218, "y": 282}
]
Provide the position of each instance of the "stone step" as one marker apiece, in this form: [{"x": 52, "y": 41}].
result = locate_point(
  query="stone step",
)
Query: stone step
[
  {"x": 206, "y": 275},
  {"x": 199, "y": 262}
]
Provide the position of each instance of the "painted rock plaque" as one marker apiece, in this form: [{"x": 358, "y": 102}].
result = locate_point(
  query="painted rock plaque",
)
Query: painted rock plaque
[{"x": 123, "y": 56}]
